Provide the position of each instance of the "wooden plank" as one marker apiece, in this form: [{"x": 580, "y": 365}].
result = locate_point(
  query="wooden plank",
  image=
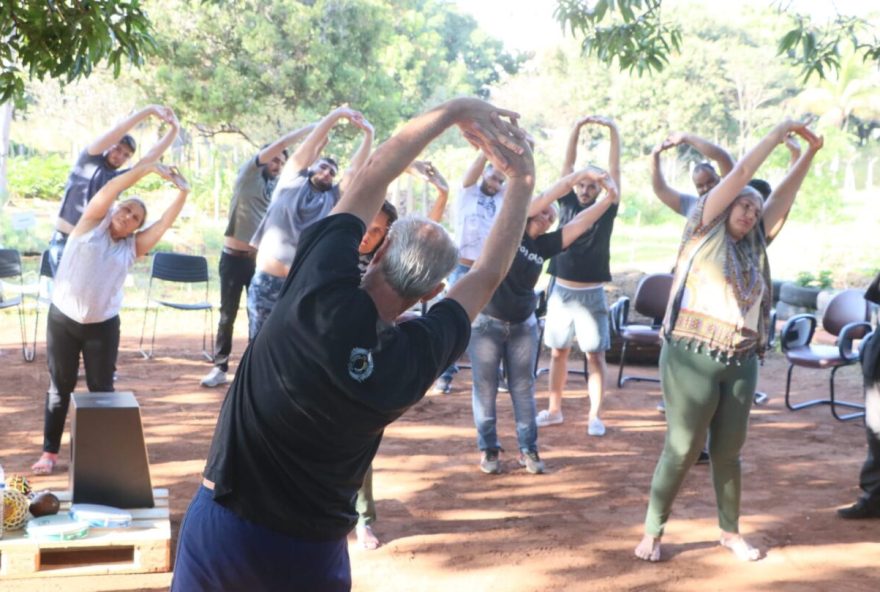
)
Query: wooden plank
[{"x": 144, "y": 547}]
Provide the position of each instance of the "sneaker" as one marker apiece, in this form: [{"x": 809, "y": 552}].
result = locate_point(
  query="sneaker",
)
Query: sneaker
[
  {"x": 215, "y": 377},
  {"x": 489, "y": 462},
  {"x": 596, "y": 427},
  {"x": 859, "y": 511},
  {"x": 443, "y": 385},
  {"x": 532, "y": 462},
  {"x": 545, "y": 418},
  {"x": 703, "y": 459}
]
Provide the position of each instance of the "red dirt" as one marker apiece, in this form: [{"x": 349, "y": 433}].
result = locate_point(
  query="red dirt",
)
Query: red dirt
[{"x": 446, "y": 526}]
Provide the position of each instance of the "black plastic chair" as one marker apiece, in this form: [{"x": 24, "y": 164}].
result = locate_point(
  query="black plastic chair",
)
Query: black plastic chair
[
  {"x": 651, "y": 298},
  {"x": 186, "y": 269},
  {"x": 43, "y": 297},
  {"x": 10, "y": 269},
  {"x": 846, "y": 317}
]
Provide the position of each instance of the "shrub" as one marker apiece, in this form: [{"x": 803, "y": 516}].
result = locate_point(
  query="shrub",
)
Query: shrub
[
  {"x": 41, "y": 177},
  {"x": 823, "y": 281}
]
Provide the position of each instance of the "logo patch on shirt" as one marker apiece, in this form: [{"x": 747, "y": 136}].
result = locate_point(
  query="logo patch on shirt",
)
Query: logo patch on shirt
[{"x": 360, "y": 364}]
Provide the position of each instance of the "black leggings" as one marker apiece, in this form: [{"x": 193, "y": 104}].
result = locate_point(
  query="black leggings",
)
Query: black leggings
[{"x": 65, "y": 339}]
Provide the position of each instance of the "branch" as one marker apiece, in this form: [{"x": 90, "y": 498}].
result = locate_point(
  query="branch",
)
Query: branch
[{"x": 225, "y": 128}]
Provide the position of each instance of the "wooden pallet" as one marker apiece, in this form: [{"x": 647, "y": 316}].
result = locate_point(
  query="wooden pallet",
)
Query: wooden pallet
[{"x": 144, "y": 547}]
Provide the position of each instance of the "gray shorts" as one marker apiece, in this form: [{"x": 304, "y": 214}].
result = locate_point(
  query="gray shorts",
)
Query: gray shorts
[{"x": 581, "y": 312}]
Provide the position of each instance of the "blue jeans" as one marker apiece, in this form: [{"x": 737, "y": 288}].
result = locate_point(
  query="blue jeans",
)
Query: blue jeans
[
  {"x": 261, "y": 298},
  {"x": 493, "y": 340},
  {"x": 459, "y": 270}
]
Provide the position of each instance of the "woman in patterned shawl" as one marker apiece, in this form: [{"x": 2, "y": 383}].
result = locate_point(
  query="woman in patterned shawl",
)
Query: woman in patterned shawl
[{"x": 714, "y": 333}]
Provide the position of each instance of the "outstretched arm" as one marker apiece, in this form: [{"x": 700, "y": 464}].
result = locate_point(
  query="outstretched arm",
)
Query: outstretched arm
[
  {"x": 782, "y": 198},
  {"x": 709, "y": 150},
  {"x": 614, "y": 150},
  {"x": 794, "y": 150},
  {"x": 114, "y": 134},
  {"x": 162, "y": 145},
  {"x": 669, "y": 196},
  {"x": 563, "y": 186},
  {"x": 307, "y": 152},
  {"x": 361, "y": 154},
  {"x": 585, "y": 219},
  {"x": 472, "y": 175},
  {"x": 425, "y": 170},
  {"x": 277, "y": 147},
  {"x": 147, "y": 238},
  {"x": 723, "y": 194},
  {"x": 477, "y": 119},
  {"x": 102, "y": 201},
  {"x": 572, "y": 146},
  {"x": 476, "y": 287}
]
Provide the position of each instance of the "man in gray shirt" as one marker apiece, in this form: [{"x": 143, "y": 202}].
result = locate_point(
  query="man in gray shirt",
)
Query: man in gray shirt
[
  {"x": 305, "y": 194},
  {"x": 250, "y": 199}
]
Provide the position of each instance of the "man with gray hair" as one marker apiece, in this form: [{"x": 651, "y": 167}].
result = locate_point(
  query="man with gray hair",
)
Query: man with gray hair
[{"x": 331, "y": 368}]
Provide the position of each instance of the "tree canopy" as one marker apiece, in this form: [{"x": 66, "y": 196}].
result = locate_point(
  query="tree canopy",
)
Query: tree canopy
[
  {"x": 262, "y": 65},
  {"x": 67, "y": 39},
  {"x": 636, "y": 34}
]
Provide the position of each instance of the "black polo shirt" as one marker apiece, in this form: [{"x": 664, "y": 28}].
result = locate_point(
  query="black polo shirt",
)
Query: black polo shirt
[{"x": 314, "y": 391}]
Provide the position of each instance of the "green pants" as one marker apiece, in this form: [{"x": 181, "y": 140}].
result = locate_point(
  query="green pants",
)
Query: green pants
[
  {"x": 365, "y": 504},
  {"x": 702, "y": 395}
]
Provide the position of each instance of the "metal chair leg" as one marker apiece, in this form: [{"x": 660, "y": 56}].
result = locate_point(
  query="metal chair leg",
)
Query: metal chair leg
[
  {"x": 835, "y": 403},
  {"x": 26, "y": 353},
  {"x": 622, "y": 362}
]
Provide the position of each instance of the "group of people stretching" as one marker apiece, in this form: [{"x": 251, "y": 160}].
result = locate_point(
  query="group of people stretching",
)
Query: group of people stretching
[{"x": 335, "y": 353}]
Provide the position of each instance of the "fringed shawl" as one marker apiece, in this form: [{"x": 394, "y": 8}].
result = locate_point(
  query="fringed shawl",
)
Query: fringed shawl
[{"x": 721, "y": 295}]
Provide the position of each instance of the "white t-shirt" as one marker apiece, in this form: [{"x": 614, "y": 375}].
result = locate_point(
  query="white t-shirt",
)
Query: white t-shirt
[
  {"x": 88, "y": 283},
  {"x": 475, "y": 214}
]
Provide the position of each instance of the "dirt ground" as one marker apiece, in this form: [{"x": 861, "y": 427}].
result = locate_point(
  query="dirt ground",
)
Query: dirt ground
[{"x": 447, "y": 526}]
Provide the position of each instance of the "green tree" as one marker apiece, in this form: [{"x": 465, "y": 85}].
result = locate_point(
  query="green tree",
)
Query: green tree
[
  {"x": 67, "y": 39},
  {"x": 636, "y": 35},
  {"x": 256, "y": 67}
]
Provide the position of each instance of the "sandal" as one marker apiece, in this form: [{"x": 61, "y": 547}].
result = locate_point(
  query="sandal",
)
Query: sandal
[{"x": 44, "y": 466}]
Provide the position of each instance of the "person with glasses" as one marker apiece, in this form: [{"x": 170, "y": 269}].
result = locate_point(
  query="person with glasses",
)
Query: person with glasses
[{"x": 307, "y": 190}]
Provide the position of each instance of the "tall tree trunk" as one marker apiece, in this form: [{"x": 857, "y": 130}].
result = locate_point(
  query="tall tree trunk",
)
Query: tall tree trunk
[{"x": 5, "y": 123}]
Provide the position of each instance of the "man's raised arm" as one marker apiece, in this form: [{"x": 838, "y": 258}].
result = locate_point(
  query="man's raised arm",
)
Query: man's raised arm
[
  {"x": 669, "y": 196},
  {"x": 707, "y": 149},
  {"x": 472, "y": 175},
  {"x": 307, "y": 152},
  {"x": 114, "y": 134},
  {"x": 480, "y": 123},
  {"x": 277, "y": 147},
  {"x": 360, "y": 155}
]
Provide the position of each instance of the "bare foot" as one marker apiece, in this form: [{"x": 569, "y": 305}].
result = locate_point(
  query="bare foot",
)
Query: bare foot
[
  {"x": 739, "y": 546},
  {"x": 46, "y": 464},
  {"x": 366, "y": 538},
  {"x": 649, "y": 548}
]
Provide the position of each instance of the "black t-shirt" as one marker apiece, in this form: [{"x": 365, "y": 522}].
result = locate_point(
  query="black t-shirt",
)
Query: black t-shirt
[
  {"x": 89, "y": 174},
  {"x": 514, "y": 300},
  {"x": 314, "y": 391},
  {"x": 588, "y": 258}
]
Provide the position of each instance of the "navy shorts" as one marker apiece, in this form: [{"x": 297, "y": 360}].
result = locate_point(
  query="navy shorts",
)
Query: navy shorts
[{"x": 219, "y": 550}]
